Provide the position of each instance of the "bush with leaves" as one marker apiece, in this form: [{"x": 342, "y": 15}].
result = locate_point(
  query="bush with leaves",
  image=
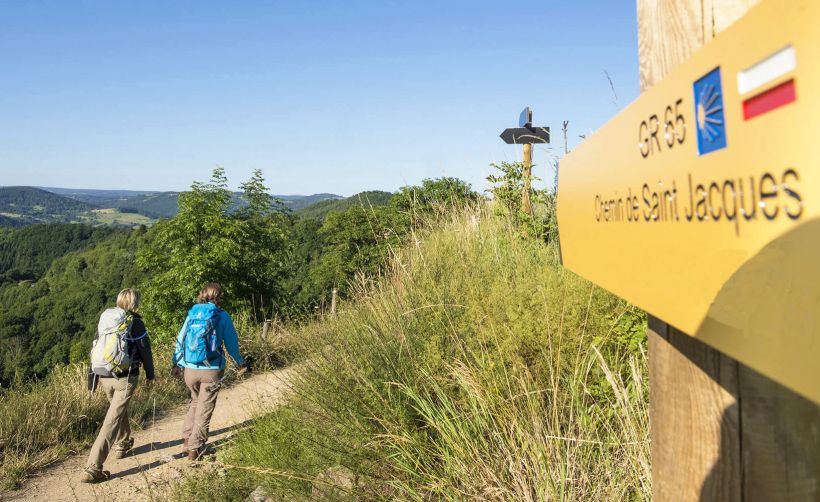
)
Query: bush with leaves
[
  {"x": 507, "y": 190},
  {"x": 434, "y": 197}
]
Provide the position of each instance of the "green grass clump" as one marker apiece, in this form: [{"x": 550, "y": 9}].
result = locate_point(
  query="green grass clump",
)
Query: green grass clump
[{"x": 476, "y": 368}]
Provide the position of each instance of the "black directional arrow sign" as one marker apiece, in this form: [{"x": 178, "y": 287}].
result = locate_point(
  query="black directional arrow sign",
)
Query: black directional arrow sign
[{"x": 526, "y": 135}]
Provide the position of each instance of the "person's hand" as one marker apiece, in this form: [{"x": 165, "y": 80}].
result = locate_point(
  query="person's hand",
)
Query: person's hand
[{"x": 176, "y": 372}]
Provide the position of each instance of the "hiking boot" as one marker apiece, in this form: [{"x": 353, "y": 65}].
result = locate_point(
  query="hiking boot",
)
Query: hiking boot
[
  {"x": 124, "y": 448},
  {"x": 198, "y": 453},
  {"x": 94, "y": 475}
]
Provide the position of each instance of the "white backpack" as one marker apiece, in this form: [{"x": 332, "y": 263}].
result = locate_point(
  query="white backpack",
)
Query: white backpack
[{"x": 109, "y": 353}]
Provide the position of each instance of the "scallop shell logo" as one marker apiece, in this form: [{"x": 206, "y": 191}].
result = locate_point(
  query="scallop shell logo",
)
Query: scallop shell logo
[{"x": 709, "y": 112}]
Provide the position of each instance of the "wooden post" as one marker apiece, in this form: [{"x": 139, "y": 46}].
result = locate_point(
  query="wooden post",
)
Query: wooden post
[
  {"x": 526, "y": 204},
  {"x": 333, "y": 301},
  {"x": 720, "y": 431},
  {"x": 265, "y": 328}
]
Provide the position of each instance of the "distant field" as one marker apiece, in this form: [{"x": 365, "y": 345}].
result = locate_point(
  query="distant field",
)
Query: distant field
[{"x": 112, "y": 216}]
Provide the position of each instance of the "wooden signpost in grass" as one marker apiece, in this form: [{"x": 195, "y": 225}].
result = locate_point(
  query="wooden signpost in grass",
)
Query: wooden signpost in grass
[
  {"x": 700, "y": 203},
  {"x": 525, "y": 134}
]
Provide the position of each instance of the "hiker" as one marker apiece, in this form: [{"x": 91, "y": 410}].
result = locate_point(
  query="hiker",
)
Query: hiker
[
  {"x": 200, "y": 358},
  {"x": 121, "y": 347}
]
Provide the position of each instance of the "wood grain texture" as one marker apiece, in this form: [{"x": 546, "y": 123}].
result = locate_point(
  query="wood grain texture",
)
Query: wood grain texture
[
  {"x": 720, "y": 14},
  {"x": 780, "y": 440},
  {"x": 695, "y": 427},
  {"x": 669, "y": 32},
  {"x": 720, "y": 431},
  {"x": 526, "y": 203}
]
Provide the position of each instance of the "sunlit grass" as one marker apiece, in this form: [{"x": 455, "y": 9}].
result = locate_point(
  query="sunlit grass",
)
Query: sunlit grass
[{"x": 476, "y": 368}]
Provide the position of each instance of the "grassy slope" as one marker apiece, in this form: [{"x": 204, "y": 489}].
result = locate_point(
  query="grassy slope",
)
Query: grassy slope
[
  {"x": 113, "y": 216},
  {"x": 477, "y": 368}
]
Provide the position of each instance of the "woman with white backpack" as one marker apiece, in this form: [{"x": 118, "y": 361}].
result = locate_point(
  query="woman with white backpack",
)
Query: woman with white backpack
[
  {"x": 121, "y": 347},
  {"x": 200, "y": 354}
]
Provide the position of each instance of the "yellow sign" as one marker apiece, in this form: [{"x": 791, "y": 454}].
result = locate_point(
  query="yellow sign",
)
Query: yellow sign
[{"x": 700, "y": 202}]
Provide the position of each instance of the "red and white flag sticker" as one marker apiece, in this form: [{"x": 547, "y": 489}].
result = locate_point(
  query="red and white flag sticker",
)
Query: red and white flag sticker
[{"x": 756, "y": 83}]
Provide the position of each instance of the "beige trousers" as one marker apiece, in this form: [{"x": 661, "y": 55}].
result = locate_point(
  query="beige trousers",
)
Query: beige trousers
[
  {"x": 115, "y": 427},
  {"x": 204, "y": 386}
]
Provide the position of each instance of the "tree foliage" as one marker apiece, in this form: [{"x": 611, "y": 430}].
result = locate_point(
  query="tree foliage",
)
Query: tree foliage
[
  {"x": 246, "y": 251},
  {"x": 43, "y": 322},
  {"x": 26, "y": 253},
  {"x": 357, "y": 240},
  {"x": 434, "y": 197},
  {"x": 507, "y": 191}
]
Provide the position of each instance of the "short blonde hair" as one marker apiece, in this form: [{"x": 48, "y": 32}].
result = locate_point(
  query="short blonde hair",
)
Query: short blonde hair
[
  {"x": 129, "y": 299},
  {"x": 211, "y": 292}
]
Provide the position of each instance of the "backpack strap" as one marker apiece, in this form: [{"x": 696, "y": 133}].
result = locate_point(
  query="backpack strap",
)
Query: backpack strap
[{"x": 185, "y": 336}]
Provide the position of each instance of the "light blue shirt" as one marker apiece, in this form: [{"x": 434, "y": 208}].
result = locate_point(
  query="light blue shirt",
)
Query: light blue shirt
[{"x": 225, "y": 334}]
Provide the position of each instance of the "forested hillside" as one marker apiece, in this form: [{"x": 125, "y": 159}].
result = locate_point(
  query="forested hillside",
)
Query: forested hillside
[
  {"x": 26, "y": 253},
  {"x": 320, "y": 210},
  {"x": 27, "y": 205},
  {"x": 40, "y": 322},
  {"x": 157, "y": 205}
]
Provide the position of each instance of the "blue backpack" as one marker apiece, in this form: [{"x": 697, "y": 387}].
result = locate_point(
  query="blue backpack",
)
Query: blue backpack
[{"x": 200, "y": 343}]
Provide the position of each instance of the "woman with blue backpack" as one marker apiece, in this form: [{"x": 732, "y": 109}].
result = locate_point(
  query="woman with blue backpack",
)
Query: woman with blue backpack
[{"x": 200, "y": 358}]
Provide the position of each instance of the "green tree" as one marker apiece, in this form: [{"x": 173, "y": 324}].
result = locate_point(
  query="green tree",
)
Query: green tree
[
  {"x": 246, "y": 251},
  {"x": 357, "y": 240}
]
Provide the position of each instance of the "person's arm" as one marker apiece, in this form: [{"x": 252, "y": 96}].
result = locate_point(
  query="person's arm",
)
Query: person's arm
[
  {"x": 178, "y": 355},
  {"x": 144, "y": 348},
  {"x": 230, "y": 338}
]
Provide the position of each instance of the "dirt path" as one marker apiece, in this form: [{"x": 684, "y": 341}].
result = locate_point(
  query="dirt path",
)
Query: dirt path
[{"x": 157, "y": 459}]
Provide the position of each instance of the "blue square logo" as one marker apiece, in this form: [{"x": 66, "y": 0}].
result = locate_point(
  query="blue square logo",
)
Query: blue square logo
[{"x": 709, "y": 117}]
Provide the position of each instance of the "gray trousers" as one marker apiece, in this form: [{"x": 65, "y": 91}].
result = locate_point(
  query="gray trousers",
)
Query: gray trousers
[
  {"x": 204, "y": 386},
  {"x": 115, "y": 427}
]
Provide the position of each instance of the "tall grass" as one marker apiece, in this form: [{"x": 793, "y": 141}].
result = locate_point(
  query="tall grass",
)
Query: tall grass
[
  {"x": 46, "y": 421},
  {"x": 476, "y": 368}
]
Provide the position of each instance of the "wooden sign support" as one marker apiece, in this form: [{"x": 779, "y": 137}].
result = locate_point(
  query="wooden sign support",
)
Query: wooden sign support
[
  {"x": 720, "y": 430},
  {"x": 526, "y": 135},
  {"x": 526, "y": 204}
]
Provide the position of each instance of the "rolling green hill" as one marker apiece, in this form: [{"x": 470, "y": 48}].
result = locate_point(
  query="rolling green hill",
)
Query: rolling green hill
[
  {"x": 156, "y": 205},
  {"x": 27, "y": 205},
  {"x": 320, "y": 210},
  {"x": 297, "y": 202},
  {"x": 153, "y": 205}
]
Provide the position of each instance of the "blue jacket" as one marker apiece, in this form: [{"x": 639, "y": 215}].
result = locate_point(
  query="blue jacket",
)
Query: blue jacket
[{"x": 225, "y": 334}]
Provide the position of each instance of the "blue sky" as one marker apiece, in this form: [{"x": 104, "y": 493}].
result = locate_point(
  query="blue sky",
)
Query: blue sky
[{"x": 322, "y": 96}]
